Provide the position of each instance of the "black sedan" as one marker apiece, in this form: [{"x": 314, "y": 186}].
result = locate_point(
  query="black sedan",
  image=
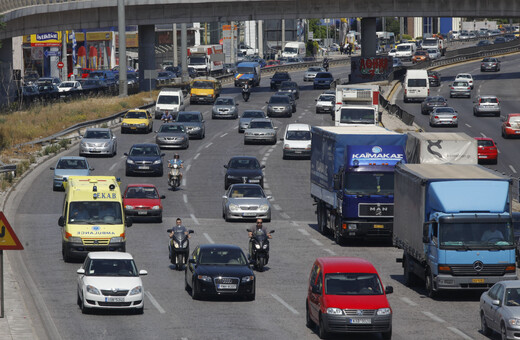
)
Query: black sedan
[
  {"x": 431, "y": 103},
  {"x": 219, "y": 270},
  {"x": 244, "y": 169},
  {"x": 277, "y": 78},
  {"x": 144, "y": 159}
]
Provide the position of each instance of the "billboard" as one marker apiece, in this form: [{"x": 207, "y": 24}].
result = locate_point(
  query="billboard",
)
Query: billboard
[
  {"x": 49, "y": 39},
  {"x": 365, "y": 69}
]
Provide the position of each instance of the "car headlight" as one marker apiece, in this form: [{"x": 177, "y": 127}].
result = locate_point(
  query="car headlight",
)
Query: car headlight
[
  {"x": 104, "y": 145},
  {"x": 264, "y": 207},
  {"x": 142, "y": 124},
  {"x": 233, "y": 207},
  {"x": 75, "y": 239},
  {"x": 257, "y": 177},
  {"x": 129, "y": 207},
  {"x": 156, "y": 207},
  {"x": 83, "y": 144},
  {"x": 257, "y": 246},
  {"x": 93, "y": 290},
  {"x": 175, "y": 244},
  {"x": 129, "y": 161},
  {"x": 136, "y": 290},
  {"x": 58, "y": 177},
  {"x": 248, "y": 278},
  {"x": 334, "y": 311},
  {"x": 117, "y": 239},
  {"x": 233, "y": 177},
  {"x": 157, "y": 162},
  {"x": 125, "y": 124},
  {"x": 248, "y": 134},
  {"x": 264, "y": 246},
  {"x": 195, "y": 128},
  {"x": 286, "y": 146},
  {"x": 514, "y": 322},
  {"x": 204, "y": 278},
  {"x": 309, "y": 146},
  {"x": 385, "y": 311}
]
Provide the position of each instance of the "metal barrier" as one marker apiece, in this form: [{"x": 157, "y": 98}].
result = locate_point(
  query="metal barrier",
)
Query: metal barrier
[{"x": 395, "y": 110}]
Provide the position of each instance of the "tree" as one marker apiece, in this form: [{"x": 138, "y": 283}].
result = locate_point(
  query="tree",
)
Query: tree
[{"x": 2, "y": 27}]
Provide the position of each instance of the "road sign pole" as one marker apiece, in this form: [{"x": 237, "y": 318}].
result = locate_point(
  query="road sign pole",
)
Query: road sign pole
[{"x": 1, "y": 284}]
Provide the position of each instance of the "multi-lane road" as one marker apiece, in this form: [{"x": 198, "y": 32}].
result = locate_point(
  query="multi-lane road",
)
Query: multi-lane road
[{"x": 279, "y": 309}]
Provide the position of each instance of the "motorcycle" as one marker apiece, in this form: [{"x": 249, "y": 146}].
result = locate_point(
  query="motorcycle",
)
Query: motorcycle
[
  {"x": 174, "y": 177},
  {"x": 326, "y": 65},
  {"x": 259, "y": 249},
  {"x": 167, "y": 119},
  {"x": 246, "y": 92},
  {"x": 179, "y": 248}
]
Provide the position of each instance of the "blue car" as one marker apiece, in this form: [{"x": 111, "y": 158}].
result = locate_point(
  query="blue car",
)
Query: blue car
[
  {"x": 323, "y": 80},
  {"x": 69, "y": 166},
  {"x": 144, "y": 159}
]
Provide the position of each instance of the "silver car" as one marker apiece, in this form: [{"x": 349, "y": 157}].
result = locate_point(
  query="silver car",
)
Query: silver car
[
  {"x": 98, "y": 141},
  {"x": 279, "y": 105},
  {"x": 444, "y": 116},
  {"x": 500, "y": 309},
  {"x": 325, "y": 103},
  {"x": 194, "y": 123},
  {"x": 172, "y": 135},
  {"x": 460, "y": 88},
  {"x": 486, "y": 105},
  {"x": 246, "y": 201},
  {"x": 246, "y": 117},
  {"x": 260, "y": 130},
  {"x": 69, "y": 166},
  {"x": 311, "y": 73},
  {"x": 225, "y": 107}
]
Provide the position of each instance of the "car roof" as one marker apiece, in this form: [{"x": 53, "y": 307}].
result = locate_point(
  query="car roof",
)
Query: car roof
[
  {"x": 98, "y": 129},
  {"x": 248, "y": 64},
  {"x": 510, "y": 283},
  {"x": 144, "y": 144},
  {"x": 219, "y": 246},
  {"x": 253, "y": 110},
  {"x": 346, "y": 265},
  {"x": 243, "y": 157},
  {"x": 246, "y": 185},
  {"x": 147, "y": 185},
  {"x": 298, "y": 127},
  {"x": 513, "y": 114},
  {"x": 265, "y": 119},
  {"x": 488, "y": 96},
  {"x": 72, "y": 157},
  {"x": 188, "y": 112},
  {"x": 116, "y": 255}
]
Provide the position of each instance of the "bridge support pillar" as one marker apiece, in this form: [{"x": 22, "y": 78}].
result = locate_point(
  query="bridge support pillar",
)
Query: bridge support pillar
[
  {"x": 368, "y": 37},
  {"x": 7, "y": 84},
  {"x": 146, "y": 55}
]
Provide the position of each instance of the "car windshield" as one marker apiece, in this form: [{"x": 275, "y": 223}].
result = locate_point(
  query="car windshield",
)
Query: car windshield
[
  {"x": 478, "y": 235},
  {"x": 281, "y": 76},
  {"x": 253, "y": 114},
  {"x": 186, "y": 118},
  {"x": 96, "y": 75},
  {"x": 514, "y": 119},
  {"x": 222, "y": 257},
  {"x": 314, "y": 69},
  {"x": 464, "y": 76},
  {"x": 95, "y": 212},
  {"x": 67, "y": 84},
  {"x": 72, "y": 164},
  {"x": 489, "y": 60},
  {"x": 485, "y": 142},
  {"x": 246, "y": 192},
  {"x": 402, "y": 48},
  {"x": 444, "y": 110},
  {"x": 197, "y": 61},
  {"x": 417, "y": 82},
  {"x": 97, "y": 134},
  {"x": 224, "y": 101},
  {"x": 141, "y": 192},
  {"x": 298, "y": 135},
  {"x": 136, "y": 115},
  {"x": 461, "y": 83},
  {"x": 172, "y": 128},
  {"x": 279, "y": 100},
  {"x": 111, "y": 267},
  {"x": 246, "y": 70},
  {"x": 357, "y": 116},
  {"x": 169, "y": 100},
  {"x": 324, "y": 75},
  {"x": 144, "y": 151},
  {"x": 512, "y": 297},
  {"x": 202, "y": 85},
  {"x": 244, "y": 163},
  {"x": 367, "y": 183},
  {"x": 353, "y": 284},
  {"x": 488, "y": 100},
  {"x": 436, "y": 99},
  {"x": 327, "y": 98},
  {"x": 260, "y": 125},
  {"x": 290, "y": 50}
]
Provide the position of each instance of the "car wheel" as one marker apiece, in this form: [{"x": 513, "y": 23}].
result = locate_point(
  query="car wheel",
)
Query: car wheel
[
  {"x": 430, "y": 291},
  {"x": 387, "y": 335},
  {"x": 84, "y": 309},
  {"x": 78, "y": 299},
  {"x": 65, "y": 254},
  {"x": 497, "y": 114},
  {"x": 504, "y": 135},
  {"x": 226, "y": 217},
  {"x": 483, "y": 325},
  {"x": 503, "y": 333},
  {"x": 194, "y": 293},
  {"x": 128, "y": 173},
  {"x": 160, "y": 173},
  {"x": 309, "y": 323},
  {"x": 159, "y": 219},
  {"x": 250, "y": 297},
  {"x": 322, "y": 332}
]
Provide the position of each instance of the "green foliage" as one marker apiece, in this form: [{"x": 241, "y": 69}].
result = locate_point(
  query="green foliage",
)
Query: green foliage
[
  {"x": 8, "y": 177},
  {"x": 319, "y": 31},
  {"x": 64, "y": 143}
]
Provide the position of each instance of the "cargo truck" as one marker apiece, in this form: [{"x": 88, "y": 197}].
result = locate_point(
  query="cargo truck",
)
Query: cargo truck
[
  {"x": 352, "y": 179},
  {"x": 440, "y": 148},
  {"x": 453, "y": 222},
  {"x": 357, "y": 105},
  {"x": 206, "y": 59}
]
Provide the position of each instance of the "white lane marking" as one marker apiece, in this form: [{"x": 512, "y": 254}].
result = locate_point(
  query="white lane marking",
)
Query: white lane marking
[
  {"x": 316, "y": 242},
  {"x": 266, "y": 186},
  {"x": 263, "y": 107},
  {"x": 185, "y": 198},
  {"x": 483, "y": 135},
  {"x": 284, "y": 215},
  {"x": 223, "y": 135},
  {"x": 300, "y": 116},
  {"x": 329, "y": 251},
  {"x": 154, "y": 302},
  {"x": 208, "y": 238},
  {"x": 268, "y": 153},
  {"x": 468, "y": 125},
  {"x": 408, "y": 301},
  {"x": 194, "y": 219},
  {"x": 208, "y": 145},
  {"x": 295, "y": 224},
  {"x": 183, "y": 182},
  {"x": 498, "y": 150},
  {"x": 303, "y": 231},
  {"x": 196, "y": 156},
  {"x": 277, "y": 207},
  {"x": 188, "y": 168},
  {"x": 112, "y": 167},
  {"x": 512, "y": 169},
  {"x": 279, "y": 299},
  {"x": 459, "y": 333},
  {"x": 236, "y": 127},
  {"x": 433, "y": 317}
]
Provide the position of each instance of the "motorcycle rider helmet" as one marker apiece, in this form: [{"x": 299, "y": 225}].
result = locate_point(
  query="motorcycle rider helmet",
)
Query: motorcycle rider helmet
[{"x": 176, "y": 156}]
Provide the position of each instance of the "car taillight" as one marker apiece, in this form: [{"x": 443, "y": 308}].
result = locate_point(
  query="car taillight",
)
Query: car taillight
[
  {"x": 428, "y": 91},
  {"x": 469, "y": 88},
  {"x": 452, "y": 88},
  {"x": 436, "y": 117},
  {"x": 493, "y": 149},
  {"x": 480, "y": 100},
  {"x": 454, "y": 117},
  {"x": 508, "y": 125}
]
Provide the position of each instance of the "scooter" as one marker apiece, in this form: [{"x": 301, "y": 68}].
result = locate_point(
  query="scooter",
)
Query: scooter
[
  {"x": 179, "y": 248},
  {"x": 259, "y": 248},
  {"x": 246, "y": 93},
  {"x": 174, "y": 180}
]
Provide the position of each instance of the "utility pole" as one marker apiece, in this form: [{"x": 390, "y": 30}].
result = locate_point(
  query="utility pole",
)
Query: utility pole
[
  {"x": 123, "y": 84},
  {"x": 175, "y": 48}
]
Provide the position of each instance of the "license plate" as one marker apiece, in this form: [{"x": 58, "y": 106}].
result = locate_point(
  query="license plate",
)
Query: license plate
[
  {"x": 254, "y": 181},
  {"x": 115, "y": 299},
  {"x": 144, "y": 167},
  {"x": 226, "y": 286},
  {"x": 297, "y": 152},
  {"x": 483, "y": 156},
  {"x": 518, "y": 131},
  {"x": 133, "y": 127},
  {"x": 248, "y": 214},
  {"x": 478, "y": 280},
  {"x": 361, "y": 321},
  {"x": 142, "y": 212},
  {"x": 379, "y": 226}
]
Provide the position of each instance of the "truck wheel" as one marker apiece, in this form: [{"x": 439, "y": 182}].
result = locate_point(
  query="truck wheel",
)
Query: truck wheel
[
  {"x": 337, "y": 236},
  {"x": 322, "y": 219},
  {"x": 409, "y": 277},
  {"x": 429, "y": 285}
]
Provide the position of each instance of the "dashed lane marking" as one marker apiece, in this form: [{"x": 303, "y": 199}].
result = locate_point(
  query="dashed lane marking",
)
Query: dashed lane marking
[
  {"x": 223, "y": 135},
  {"x": 433, "y": 317},
  {"x": 185, "y": 198},
  {"x": 266, "y": 186},
  {"x": 512, "y": 169},
  {"x": 188, "y": 168},
  {"x": 303, "y": 231},
  {"x": 284, "y": 215},
  {"x": 196, "y": 156},
  {"x": 112, "y": 167},
  {"x": 331, "y": 252},
  {"x": 268, "y": 192},
  {"x": 208, "y": 238},
  {"x": 408, "y": 301},
  {"x": 468, "y": 125},
  {"x": 316, "y": 242},
  {"x": 459, "y": 333},
  {"x": 209, "y": 144},
  {"x": 483, "y": 135},
  {"x": 154, "y": 302},
  {"x": 195, "y": 220},
  {"x": 277, "y": 207},
  {"x": 285, "y": 304}
]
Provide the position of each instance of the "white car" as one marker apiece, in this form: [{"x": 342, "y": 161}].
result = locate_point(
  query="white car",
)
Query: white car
[
  {"x": 109, "y": 279},
  {"x": 434, "y": 53},
  {"x": 465, "y": 77},
  {"x": 297, "y": 141},
  {"x": 325, "y": 103},
  {"x": 392, "y": 52},
  {"x": 69, "y": 85}
]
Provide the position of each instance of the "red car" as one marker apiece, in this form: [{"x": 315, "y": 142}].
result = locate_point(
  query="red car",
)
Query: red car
[
  {"x": 487, "y": 150},
  {"x": 271, "y": 63},
  {"x": 143, "y": 200},
  {"x": 511, "y": 126},
  {"x": 345, "y": 295}
]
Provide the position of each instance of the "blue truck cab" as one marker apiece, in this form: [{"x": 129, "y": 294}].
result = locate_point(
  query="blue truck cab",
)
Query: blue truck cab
[{"x": 248, "y": 72}]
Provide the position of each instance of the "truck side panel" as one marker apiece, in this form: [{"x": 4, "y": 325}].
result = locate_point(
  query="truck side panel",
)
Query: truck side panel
[{"x": 439, "y": 148}]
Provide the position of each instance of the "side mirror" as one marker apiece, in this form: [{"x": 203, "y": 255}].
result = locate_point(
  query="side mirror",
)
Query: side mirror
[
  {"x": 80, "y": 271},
  {"x": 192, "y": 261},
  {"x": 495, "y": 302},
  {"x": 269, "y": 197},
  {"x": 236, "y": 104},
  {"x": 263, "y": 166},
  {"x": 267, "y": 102},
  {"x": 249, "y": 230},
  {"x": 143, "y": 272},
  {"x": 272, "y": 231},
  {"x": 389, "y": 290},
  {"x": 190, "y": 231},
  {"x": 163, "y": 197},
  {"x": 225, "y": 166},
  {"x": 128, "y": 222},
  {"x": 61, "y": 221},
  {"x": 52, "y": 168},
  {"x": 163, "y": 154},
  {"x": 282, "y": 139},
  {"x": 92, "y": 169},
  {"x": 225, "y": 196},
  {"x": 168, "y": 230},
  {"x": 126, "y": 154},
  {"x": 426, "y": 236},
  {"x": 315, "y": 289}
]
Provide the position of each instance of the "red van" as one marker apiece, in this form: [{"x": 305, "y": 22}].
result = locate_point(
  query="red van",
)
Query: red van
[{"x": 346, "y": 295}]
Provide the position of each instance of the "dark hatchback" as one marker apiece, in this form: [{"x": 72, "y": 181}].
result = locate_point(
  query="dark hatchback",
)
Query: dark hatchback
[
  {"x": 243, "y": 169},
  {"x": 144, "y": 159},
  {"x": 277, "y": 78},
  {"x": 431, "y": 103},
  {"x": 219, "y": 270},
  {"x": 323, "y": 80}
]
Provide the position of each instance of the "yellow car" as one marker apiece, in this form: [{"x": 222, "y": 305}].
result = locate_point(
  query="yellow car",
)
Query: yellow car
[
  {"x": 204, "y": 90},
  {"x": 137, "y": 121}
]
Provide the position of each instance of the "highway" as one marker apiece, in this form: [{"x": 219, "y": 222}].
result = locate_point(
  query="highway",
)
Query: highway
[{"x": 279, "y": 309}]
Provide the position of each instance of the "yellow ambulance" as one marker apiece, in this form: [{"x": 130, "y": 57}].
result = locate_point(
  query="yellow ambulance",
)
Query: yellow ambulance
[{"x": 93, "y": 217}]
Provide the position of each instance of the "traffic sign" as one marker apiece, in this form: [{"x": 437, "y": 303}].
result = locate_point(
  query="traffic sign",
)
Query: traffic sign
[
  {"x": 60, "y": 64},
  {"x": 52, "y": 53},
  {"x": 8, "y": 238}
]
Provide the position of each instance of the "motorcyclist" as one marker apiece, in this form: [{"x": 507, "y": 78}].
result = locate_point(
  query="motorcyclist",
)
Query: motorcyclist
[
  {"x": 167, "y": 117},
  {"x": 246, "y": 90},
  {"x": 176, "y": 160},
  {"x": 326, "y": 63},
  {"x": 259, "y": 226},
  {"x": 178, "y": 228}
]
